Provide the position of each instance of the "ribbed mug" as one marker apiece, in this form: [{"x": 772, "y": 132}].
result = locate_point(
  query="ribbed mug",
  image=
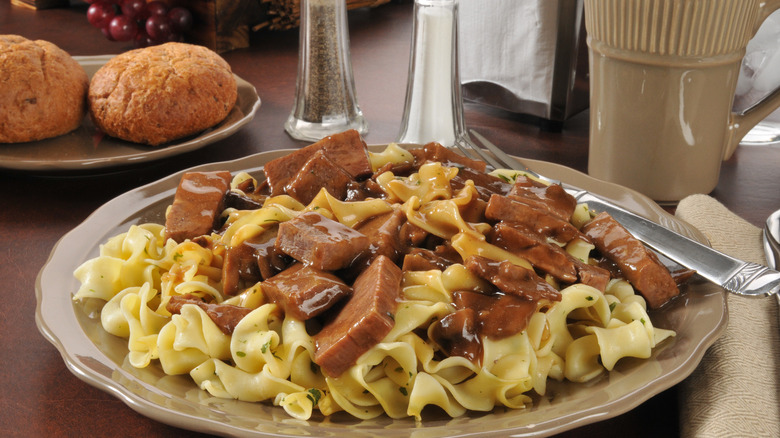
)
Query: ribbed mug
[{"x": 662, "y": 79}]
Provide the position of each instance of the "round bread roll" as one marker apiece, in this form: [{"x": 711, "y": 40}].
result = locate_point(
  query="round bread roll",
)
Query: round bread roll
[
  {"x": 42, "y": 90},
  {"x": 161, "y": 93}
]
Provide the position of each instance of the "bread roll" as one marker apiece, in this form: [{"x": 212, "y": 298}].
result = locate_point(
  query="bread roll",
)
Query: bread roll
[
  {"x": 161, "y": 93},
  {"x": 42, "y": 90}
]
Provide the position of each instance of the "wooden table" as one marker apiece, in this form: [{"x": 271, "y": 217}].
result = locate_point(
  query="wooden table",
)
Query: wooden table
[{"x": 40, "y": 397}]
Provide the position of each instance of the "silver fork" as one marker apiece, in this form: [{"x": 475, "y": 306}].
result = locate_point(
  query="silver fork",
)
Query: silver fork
[{"x": 734, "y": 275}]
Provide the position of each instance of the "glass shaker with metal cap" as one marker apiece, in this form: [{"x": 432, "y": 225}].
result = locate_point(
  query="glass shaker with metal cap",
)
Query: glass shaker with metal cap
[
  {"x": 325, "y": 100},
  {"x": 433, "y": 110}
]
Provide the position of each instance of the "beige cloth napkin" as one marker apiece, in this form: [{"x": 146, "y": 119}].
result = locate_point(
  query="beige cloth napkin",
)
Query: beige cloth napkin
[{"x": 735, "y": 391}]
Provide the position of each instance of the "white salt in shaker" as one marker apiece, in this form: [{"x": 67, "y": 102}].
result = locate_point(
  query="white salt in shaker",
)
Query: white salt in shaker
[
  {"x": 325, "y": 100},
  {"x": 433, "y": 110}
]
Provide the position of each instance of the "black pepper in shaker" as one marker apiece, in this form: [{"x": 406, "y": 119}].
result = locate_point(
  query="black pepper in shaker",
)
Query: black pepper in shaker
[{"x": 325, "y": 100}]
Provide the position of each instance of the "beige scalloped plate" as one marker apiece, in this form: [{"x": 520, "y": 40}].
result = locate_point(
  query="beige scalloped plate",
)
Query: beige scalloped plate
[
  {"x": 86, "y": 150},
  {"x": 698, "y": 316}
]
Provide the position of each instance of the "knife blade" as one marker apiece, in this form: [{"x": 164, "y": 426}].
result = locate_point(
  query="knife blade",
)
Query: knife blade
[{"x": 734, "y": 275}]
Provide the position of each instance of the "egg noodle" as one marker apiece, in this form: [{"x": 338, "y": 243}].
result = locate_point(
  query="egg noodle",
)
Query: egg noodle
[{"x": 269, "y": 356}]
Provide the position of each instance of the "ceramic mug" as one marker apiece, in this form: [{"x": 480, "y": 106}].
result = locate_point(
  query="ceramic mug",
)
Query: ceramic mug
[{"x": 662, "y": 79}]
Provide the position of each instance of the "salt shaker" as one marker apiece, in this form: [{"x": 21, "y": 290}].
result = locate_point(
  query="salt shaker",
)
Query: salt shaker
[
  {"x": 325, "y": 100},
  {"x": 433, "y": 110}
]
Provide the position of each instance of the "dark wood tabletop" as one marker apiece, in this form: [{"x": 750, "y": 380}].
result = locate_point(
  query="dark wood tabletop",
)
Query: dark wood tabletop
[{"x": 41, "y": 397}]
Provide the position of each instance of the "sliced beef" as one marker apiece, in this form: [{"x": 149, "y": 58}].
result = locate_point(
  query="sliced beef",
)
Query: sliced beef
[
  {"x": 638, "y": 264},
  {"x": 365, "y": 319},
  {"x": 253, "y": 260},
  {"x": 384, "y": 233},
  {"x": 197, "y": 204},
  {"x": 519, "y": 240},
  {"x": 319, "y": 172},
  {"x": 225, "y": 316},
  {"x": 421, "y": 259},
  {"x": 502, "y": 208},
  {"x": 361, "y": 190},
  {"x": 323, "y": 243},
  {"x": 347, "y": 149},
  {"x": 550, "y": 198},
  {"x": 486, "y": 184},
  {"x": 457, "y": 334},
  {"x": 412, "y": 235},
  {"x": 547, "y": 257},
  {"x": 448, "y": 157},
  {"x": 499, "y": 315},
  {"x": 512, "y": 279},
  {"x": 304, "y": 292},
  {"x": 240, "y": 201}
]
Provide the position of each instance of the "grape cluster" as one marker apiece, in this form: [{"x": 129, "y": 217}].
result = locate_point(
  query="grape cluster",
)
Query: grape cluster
[{"x": 146, "y": 24}]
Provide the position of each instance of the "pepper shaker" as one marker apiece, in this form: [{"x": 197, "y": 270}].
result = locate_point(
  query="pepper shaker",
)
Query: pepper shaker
[
  {"x": 433, "y": 110},
  {"x": 325, "y": 100}
]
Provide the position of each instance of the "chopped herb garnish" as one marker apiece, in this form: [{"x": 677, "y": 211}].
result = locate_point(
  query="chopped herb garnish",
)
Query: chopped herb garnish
[
  {"x": 589, "y": 298},
  {"x": 403, "y": 391},
  {"x": 314, "y": 395},
  {"x": 265, "y": 347},
  {"x": 612, "y": 307},
  {"x": 177, "y": 256},
  {"x": 240, "y": 354}
]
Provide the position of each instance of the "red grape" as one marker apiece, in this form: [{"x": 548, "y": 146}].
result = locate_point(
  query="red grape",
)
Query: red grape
[
  {"x": 123, "y": 28},
  {"x": 181, "y": 19},
  {"x": 143, "y": 23},
  {"x": 142, "y": 39},
  {"x": 156, "y": 8},
  {"x": 133, "y": 8},
  {"x": 159, "y": 27},
  {"x": 100, "y": 13}
]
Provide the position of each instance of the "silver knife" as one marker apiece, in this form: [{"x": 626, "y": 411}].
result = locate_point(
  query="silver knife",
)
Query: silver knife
[{"x": 734, "y": 275}]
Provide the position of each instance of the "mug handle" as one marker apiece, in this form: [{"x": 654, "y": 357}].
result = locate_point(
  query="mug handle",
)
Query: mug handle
[{"x": 741, "y": 123}]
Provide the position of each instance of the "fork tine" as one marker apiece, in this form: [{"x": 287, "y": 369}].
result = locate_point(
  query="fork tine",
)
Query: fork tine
[
  {"x": 474, "y": 150},
  {"x": 509, "y": 162},
  {"x": 467, "y": 150}
]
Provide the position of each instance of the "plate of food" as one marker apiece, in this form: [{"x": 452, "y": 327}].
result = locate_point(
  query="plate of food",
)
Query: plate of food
[
  {"x": 88, "y": 149},
  {"x": 380, "y": 299}
]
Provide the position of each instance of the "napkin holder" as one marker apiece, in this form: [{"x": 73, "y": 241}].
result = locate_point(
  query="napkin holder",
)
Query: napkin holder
[{"x": 525, "y": 56}]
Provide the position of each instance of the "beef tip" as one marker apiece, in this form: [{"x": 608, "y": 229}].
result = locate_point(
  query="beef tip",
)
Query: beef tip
[
  {"x": 347, "y": 149},
  {"x": 240, "y": 201},
  {"x": 457, "y": 334},
  {"x": 448, "y": 157},
  {"x": 421, "y": 259},
  {"x": 225, "y": 316},
  {"x": 509, "y": 210},
  {"x": 253, "y": 260},
  {"x": 551, "y": 259},
  {"x": 499, "y": 315},
  {"x": 512, "y": 279},
  {"x": 384, "y": 233},
  {"x": 486, "y": 184},
  {"x": 304, "y": 292},
  {"x": 682, "y": 275},
  {"x": 323, "y": 243},
  {"x": 592, "y": 275},
  {"x": 638, "y": 264},
  {"x": 319, "y": 172},
  {"x": 239, "y": 269},
  {"x": 197, "y": 204},
  {"x": 412, "y": 235},
  {"x": 550, "y": 198},
  {"x": 365, "y": 319},
  {"x": 362, "y": 190}
]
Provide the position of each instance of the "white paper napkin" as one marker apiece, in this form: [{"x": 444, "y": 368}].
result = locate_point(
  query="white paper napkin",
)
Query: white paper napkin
[
  {"x": 735, "y": 391},
  {"x": 510, "y": 43}
]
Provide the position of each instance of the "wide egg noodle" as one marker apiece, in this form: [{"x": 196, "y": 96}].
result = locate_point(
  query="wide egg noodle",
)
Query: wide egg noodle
[
  {"x": 189, "y": 339},
  {"x": 269, "y": 355}
]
